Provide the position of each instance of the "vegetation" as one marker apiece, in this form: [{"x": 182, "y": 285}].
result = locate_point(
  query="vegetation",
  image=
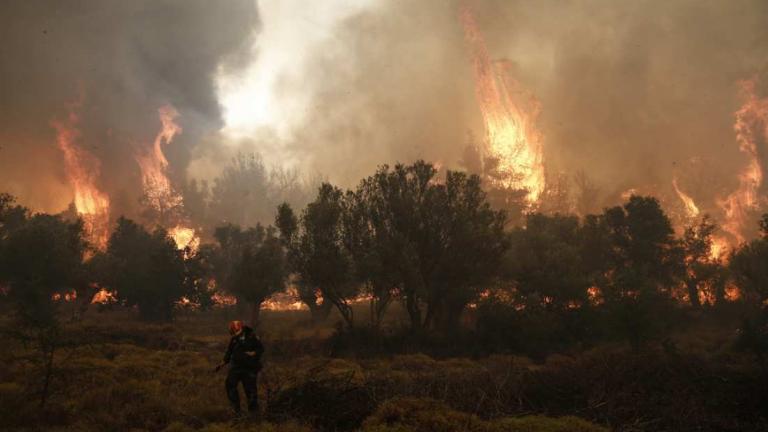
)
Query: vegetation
[{"x": 473, "y": 322}]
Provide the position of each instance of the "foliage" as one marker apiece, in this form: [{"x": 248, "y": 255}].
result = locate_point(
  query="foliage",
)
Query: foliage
[
  {"x": 440, "y": 242},
  {"x": 144, "y": 269},
  {"x": 319, "y": 254},
  {"x": 39, "y": 258},
  {"x": 703, "y": 271},
  {"x": 249, "y": 264}
]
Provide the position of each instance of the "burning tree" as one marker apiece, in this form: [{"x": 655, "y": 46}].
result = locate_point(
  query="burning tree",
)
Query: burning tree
[{"x": 704, "y": 278}]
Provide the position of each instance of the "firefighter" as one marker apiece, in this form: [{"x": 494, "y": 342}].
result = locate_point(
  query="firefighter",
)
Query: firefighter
[{"x": 244, "y": 358}]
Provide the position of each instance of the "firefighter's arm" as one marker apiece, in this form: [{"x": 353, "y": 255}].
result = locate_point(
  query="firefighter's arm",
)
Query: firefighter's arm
[{"x": 227, "y": 357}]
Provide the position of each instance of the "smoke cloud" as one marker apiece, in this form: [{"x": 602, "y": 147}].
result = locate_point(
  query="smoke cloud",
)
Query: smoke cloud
[
  {"x": 632, "y": 93},
  {"x": 123, "y": 60}
]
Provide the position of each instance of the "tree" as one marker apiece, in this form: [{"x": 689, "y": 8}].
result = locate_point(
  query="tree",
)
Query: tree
[
  {"x": 440, "y": 243},
  {"x": 702, "y": 270},
  {"x": 288, "y": 225},
  {"x": 546, "y": 262},
  {"x": 251, "y": 264},
  {"x": 749, "y": 265},
  {"x": 240, "y": 195},
  {"x": 39, "y": 258},
  {"x": 322, "y": 258},
  {"x": 645, "y": 255},
  {"x": 643, "y": 261},
  {"x": 145, "y": 269}
]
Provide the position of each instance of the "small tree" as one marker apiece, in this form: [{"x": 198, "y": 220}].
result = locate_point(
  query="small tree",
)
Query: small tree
[
  {"x": 702, "y": 270},
  {"x": 318, "y": 251},
  {"x": 145, "y": 270},
  {"x": 288, "y": 225},
  {"x": 438, "y": 243},
  {"x": 39, "y": 258},
  {"x": 749, "y": 265},
  {"x": 251, "y": 264},
  {"x": 546, "y": 263}
]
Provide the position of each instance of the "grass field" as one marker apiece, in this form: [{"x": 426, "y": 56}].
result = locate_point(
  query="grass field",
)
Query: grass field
[{"x": 120, "y": 374}]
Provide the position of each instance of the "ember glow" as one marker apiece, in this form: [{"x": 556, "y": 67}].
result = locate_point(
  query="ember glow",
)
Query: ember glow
[
  {"x": 510, "y": 116},
  {"x": 104, "y": 296},
  {"x": 83, "y": 170},
  {"x": 751, "y": 131}
]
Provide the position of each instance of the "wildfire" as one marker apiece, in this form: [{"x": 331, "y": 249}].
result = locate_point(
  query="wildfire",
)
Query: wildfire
[
  {"x": 104, "y": 296},
  {"x": 82, "y": 169},
  {"x": 153, "y": 164},
  {"x": 184, "y": 237},
  {"x": 509, "y": 115},
  {"x": 67, "y": 296},
  {"x": 751, "y": 127},
  {"x": 691, "y": 209},
  {"x": 158, "y": 190}
]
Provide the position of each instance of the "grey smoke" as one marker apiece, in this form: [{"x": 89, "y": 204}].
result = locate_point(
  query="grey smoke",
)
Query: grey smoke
[{"x": 129, "y": 58}]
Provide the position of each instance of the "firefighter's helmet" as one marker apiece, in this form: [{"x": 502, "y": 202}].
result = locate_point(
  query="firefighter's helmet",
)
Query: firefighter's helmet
[{"x": 235, "y": 327}]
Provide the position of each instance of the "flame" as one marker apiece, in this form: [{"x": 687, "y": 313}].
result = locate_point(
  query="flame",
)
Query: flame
[
  {"x": 104, "y": 296},
  {"x": 751, "y": 125},
  {"x": 512, "y": 135},
  {"x": 184, "y": 237},
  {"x": 691, "y": 209},
  {"x": 153, "y": 163},
  {"x": 67, "y": 296},
  {"x": 157, "y": 187},
  {"x": 220, "y": 299},
  {"x": 732, "y": 292},
  {"x": 83, "y": 169}
]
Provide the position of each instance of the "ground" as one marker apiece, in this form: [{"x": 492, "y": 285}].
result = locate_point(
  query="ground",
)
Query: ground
[{"x": 126, "y": 375}]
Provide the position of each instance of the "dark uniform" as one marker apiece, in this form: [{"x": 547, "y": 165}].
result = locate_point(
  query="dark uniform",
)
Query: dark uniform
[{"x": 244, "y": 359}]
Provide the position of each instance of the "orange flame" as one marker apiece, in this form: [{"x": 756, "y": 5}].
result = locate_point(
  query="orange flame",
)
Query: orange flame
[
  {"x": 157, "y": 187},
  {"x": 691, "y": 209},
  {"x": 82, "y": 169},
  {"x": 104, "y": 296},
  {"x": 511, "y": 130},
  {"x": 153, "y": 163},
  {"x": 751, "y": 126},
  {"x": 184, "y": 237}
]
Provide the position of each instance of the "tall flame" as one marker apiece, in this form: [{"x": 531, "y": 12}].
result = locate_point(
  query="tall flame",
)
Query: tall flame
[
  {"x": 153, "y": 163},
  {"x": 510, "y": 122},
  {"x": 83, "y": 169},
  {"x": 691, "y": 209},
  {"x": 158, "y": 190},
  {"x": 751, "y": 127}
]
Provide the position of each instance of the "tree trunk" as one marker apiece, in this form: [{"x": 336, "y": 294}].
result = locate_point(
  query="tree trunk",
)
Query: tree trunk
[
  {"x": 414, "y": 313},
  {"x": 255, "y": 314}
]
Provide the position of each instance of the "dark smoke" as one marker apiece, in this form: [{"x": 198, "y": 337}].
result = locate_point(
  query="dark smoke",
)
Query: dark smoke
[{"x": 126, "y": 59}]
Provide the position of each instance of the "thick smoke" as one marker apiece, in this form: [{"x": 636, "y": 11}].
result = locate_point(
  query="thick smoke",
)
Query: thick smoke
[
  {"x": 632, "y": 93},
  {"x": 125, "y": 59}
]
